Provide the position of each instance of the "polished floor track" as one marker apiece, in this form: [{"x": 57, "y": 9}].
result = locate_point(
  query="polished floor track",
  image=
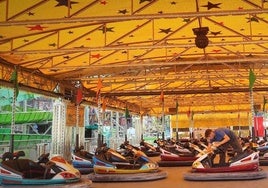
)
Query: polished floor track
[{"x": 175, "y": 179}]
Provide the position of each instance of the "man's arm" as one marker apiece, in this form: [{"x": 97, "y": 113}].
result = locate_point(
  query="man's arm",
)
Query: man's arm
[{"x": 225, "y": 139}]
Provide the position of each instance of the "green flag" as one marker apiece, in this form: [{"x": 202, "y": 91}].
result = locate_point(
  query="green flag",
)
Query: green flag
[
  {"x": 14, "y": 80},
  {"x": 264, "y": 103},
  {"x": 252, "y": 78},
  {"x": 127, "y": 114}
]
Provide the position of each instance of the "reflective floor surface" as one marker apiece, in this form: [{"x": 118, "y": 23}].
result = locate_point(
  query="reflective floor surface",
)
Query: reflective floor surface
[{"x": 175, "y": 180}]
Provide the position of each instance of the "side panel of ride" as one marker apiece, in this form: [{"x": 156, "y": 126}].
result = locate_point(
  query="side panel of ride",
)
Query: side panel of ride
[
  {"x": 109, "y": 165},
  {"x": 16, "y": 171},
  {"x": 103, "y": 167},
  {"x": 171, "y": 159},
  {"x": 242, "y": 167},
  {"x": 263, "y": 149},
  {"x": 178, "y": 156},
  {"x": 248, "y": 162},
  {"x": 85, "y": 166}
]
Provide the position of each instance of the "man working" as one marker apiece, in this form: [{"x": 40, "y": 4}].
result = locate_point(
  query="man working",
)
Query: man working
[{"x": 222, "y": 138}]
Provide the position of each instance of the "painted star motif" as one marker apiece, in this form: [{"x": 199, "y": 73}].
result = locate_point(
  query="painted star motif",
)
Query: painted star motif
[
  {"x": 166, "y": 31},
  {"x": 252, "y": 19},
  {"x": 96, "y": 56},
  {"x": 216, "y": 51},
  {"x": 36, "y": 28},
  {"x": 186, "y": 20},
  {"x": 30, "y": 14},
  {"x": 52, "y": 44},
  {"x": 65, "y": 3},
  {"x": 142, "y": 1},
  {"x": 106, "y": 29},
  {"x": 103, "y": 2},
  {"x": 215, "y": 33},
  {"x": 173, "y": 2},
  {"x": 122, "y": 11},
  {"x": 211, "y": 5}
]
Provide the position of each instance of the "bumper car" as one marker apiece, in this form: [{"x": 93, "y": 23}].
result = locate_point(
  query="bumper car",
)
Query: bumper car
[
  {"x": 109, "y": 165},
  {"x": 178, "y": 156},
  {"x": 263, "y": 153},
  {"x": 19, "y": 171},
  {"x": 244, "y": 166},
  {"x": 149, "y": 149},
  {"x": 82, "y": 160}
]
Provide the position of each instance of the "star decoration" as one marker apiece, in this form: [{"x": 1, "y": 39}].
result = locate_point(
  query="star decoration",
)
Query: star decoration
[
  {"x": 64, "y": 3},
  {"x": 52, "y": 44},
  {"x": 66, "y": 57},
  {"x": 252, "y": 19},
  {"x": 211, "y": 5},
  {"x": 173, "y": 3},
  {"x": 30, "y": 14},
  {"x": 142, "y": 1},
  {"x": 166, "y": 31},
  {"x": 106, "y": 29},
  {"x": 36, "y": 28},
  {"x": 186, "y": 20},
  {"x": 122, "y": 11},
  {"x": 216, "y": 51},
  {"x": 70, "y": 32},
  {"x": 215, "y": 33},
  {"x": 103, "y": 2},
  {"x": 96, "y": 56}
]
